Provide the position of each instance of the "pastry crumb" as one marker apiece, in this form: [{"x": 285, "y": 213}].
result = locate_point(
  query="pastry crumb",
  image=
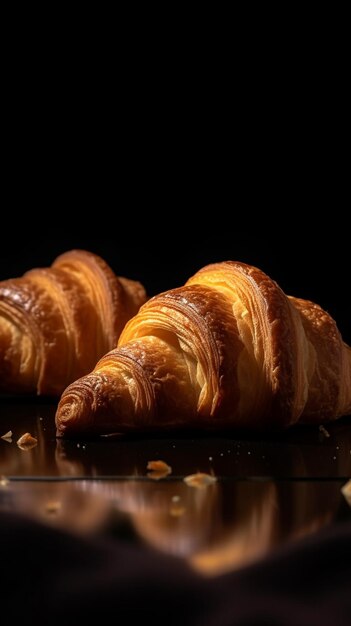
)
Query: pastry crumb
[
  {"x": 200, "y": 480},
  {"x": 346, "y": 492},
  {"x": 4, "y": 481},
  {"x": 324, "y": 431},
  {"x": 7, "y": 436},
  {"x": 159, "y": 469},
  {"x": 158, "y": 466},
  {"x": 27, "y": 441}
]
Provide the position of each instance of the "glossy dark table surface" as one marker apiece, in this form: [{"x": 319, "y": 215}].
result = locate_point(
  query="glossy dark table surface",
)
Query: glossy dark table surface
[{"x": 270, "y": 489}]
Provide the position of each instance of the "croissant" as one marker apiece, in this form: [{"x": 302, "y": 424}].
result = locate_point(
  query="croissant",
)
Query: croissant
[
  {"x": 56, "y": 322},
  {"x": 229, "y": 349}
]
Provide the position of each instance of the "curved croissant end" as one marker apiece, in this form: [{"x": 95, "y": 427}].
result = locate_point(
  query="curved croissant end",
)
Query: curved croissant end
[
  {"x": 56, "y": 322},
  {"x": 229, "y": 349}
]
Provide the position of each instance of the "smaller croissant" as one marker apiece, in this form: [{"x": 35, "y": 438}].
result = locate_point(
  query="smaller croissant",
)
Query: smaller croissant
[
  {"x": 56, "y": 322},
  {"x": 227, "y": 350}
]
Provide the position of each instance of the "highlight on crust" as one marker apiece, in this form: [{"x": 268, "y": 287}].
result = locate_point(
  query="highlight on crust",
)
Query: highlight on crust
[{"x": 56, "y": 322}]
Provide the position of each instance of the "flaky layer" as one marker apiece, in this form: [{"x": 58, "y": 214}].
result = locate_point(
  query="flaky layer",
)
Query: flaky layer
[
  {"x": 229, "y": 349},
  {"x": 56, "y": 322}
]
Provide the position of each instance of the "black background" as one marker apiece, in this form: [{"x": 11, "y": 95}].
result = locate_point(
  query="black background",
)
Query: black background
[
  {"x": 162, "y": 163},
  {"x": 160, "y": 191}
]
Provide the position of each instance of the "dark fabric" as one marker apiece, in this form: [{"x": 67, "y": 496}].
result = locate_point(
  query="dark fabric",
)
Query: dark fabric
[{"x": 50, "y": 577}]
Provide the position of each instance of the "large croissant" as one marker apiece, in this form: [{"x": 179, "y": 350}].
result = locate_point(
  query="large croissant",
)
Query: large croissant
[
  {"x": 56, "y": 322},
  {"x": 229, "y": 349}
]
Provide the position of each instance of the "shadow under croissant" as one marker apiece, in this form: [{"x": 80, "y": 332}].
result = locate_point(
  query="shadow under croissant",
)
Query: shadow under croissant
[{"x": 301, "y": 453}]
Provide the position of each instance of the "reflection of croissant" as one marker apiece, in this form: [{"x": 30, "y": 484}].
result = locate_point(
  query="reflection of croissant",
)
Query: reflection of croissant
[
  {"x": 56, "y": 322},
  {"x": 228, "y": 349},
  {"x": 225, "y": 525}
]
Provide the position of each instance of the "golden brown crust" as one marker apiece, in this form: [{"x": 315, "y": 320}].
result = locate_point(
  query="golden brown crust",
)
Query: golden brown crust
[
  {"x": 228, "y": 349},
  {"x": 56, "y": 322},
  {"x": 325, "y": 345},
  {"x": 274, "y": 334},
  {"x": 198, "y": 322}
]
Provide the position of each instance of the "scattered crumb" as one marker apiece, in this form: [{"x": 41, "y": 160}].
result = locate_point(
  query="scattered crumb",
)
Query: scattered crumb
[
  {"x": 53, "y": 507},
  {"x": 7, "y": 436},
  {"x": 200, "y": 480},
  {"x": 158, "y": 466},
  {"x": 346, "y": 492},
  {"x": 324, "y": 431},
  {"x": 4, "y": 481},
  {"x": 26, "y": 442},
  {"x": 159, "y": 469}
]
